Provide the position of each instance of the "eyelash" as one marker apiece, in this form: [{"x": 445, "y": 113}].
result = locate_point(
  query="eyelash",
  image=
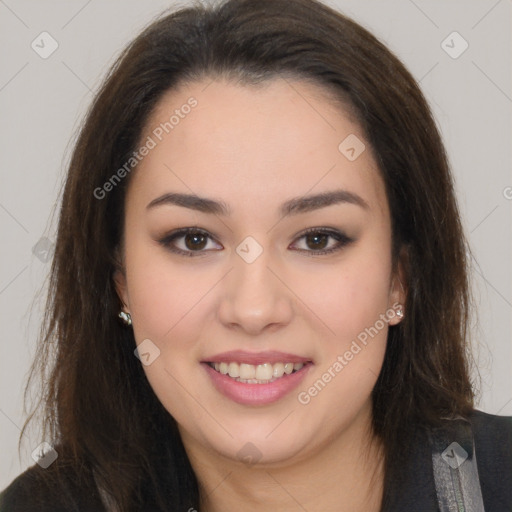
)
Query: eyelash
[{"x": 342, "y": 239}]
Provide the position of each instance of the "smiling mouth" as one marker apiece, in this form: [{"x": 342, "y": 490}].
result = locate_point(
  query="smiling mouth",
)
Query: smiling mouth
[{"x": 257, "y": 374}]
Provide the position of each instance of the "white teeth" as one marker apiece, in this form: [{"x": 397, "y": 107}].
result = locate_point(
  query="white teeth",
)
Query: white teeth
[
  {"x": 256, "y": 374},
  {"x": 264, "y": 371},
  {"x": 278, "y": 370},
  {"x": 234, "y": 370},
  {"x": 247, "y": 371}
]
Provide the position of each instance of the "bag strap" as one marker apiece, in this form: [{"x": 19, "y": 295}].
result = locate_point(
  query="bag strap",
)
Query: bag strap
[{"x": 455, "y": 468}]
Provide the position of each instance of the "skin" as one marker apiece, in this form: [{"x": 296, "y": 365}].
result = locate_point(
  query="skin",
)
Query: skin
[{"x": 254, "y": 148}]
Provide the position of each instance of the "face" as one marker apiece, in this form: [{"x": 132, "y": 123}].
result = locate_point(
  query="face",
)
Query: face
[{"x": 285, "y": 267}]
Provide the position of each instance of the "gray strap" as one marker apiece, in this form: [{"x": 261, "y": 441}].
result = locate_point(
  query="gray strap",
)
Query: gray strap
[{"x": 455, "y": 468}]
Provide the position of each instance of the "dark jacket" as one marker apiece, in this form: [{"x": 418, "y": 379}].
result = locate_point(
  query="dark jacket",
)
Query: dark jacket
[{"x": 416, "y": 491}]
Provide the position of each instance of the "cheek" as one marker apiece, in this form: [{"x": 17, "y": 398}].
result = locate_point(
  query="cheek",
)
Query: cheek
[
  {"x": 168, "y": 307},
  {"x": 353, "y": 306},
  {"x": 351, "y": 359},
  {"x": 350, "y": 298},
  {"x": 162, "y": 295}
]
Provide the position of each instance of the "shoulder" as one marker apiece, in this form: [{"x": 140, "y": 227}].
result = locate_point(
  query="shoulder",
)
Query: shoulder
[
  {"x": 412, "y": 486},
  {"x": 493, "y": 439},
  {"x": 56, "y": 489},
  {"x": 493, "y": 446},
  {"x": 485, "y": 424}
]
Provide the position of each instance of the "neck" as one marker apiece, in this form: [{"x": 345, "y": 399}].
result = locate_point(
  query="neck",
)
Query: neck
[{"x": 345, "y": 474}]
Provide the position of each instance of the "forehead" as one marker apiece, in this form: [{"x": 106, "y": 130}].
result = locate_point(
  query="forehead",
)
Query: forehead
[{"x": 263, "y": 143}]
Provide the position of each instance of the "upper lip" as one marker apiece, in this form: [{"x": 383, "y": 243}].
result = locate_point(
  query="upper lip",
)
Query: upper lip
[{"x": 255, "y": 358}]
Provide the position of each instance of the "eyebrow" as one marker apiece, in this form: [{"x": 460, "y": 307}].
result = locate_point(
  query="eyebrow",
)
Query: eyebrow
[{"x": 293, "y": 206}]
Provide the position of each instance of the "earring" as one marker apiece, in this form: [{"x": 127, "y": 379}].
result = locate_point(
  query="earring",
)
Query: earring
[
  {"x": 400, "y": 313},
  {"x": 125, "y": 317}
]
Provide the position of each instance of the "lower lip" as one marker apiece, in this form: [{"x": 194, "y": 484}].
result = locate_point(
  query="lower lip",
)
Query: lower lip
[{"x": 256, "y": 394}]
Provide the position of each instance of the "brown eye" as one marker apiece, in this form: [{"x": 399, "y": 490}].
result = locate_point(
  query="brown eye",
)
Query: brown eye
[
  {"x": 195, "y": 241},
  {"x": 189, "y": 242},
  {"x": 317, "y": 241}
]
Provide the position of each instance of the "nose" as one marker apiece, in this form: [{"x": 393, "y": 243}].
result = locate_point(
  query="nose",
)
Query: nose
[{"x": 255, "y": 297}]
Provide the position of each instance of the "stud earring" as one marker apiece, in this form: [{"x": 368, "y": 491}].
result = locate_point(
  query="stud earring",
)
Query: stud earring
[
  {"x": 125, "y": 317},
  {"x": 400, "y": 313}
]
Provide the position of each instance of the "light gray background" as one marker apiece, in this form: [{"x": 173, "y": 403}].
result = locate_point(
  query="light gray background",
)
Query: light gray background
[{"x": 42, "y": 102}]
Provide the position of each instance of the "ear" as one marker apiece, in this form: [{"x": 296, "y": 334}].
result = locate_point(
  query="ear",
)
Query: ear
[
  {"x": 119, "y": 278},
  {"x": 397, "y": 292}
]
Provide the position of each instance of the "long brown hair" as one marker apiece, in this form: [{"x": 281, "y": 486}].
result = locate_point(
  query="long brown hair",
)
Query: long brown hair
[{"x": 97, "y": 404}]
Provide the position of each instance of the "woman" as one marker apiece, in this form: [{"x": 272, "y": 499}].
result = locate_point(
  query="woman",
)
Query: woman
[{"x": 259, "y": 295}]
